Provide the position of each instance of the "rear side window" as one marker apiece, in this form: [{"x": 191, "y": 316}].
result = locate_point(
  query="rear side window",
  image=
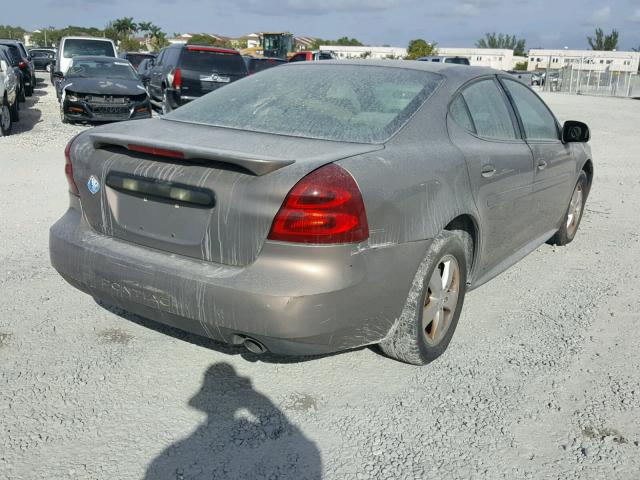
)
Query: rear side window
[
  {"x": 460, "y": 114},
  {"x": 74, "y": 47},
  {"x": 537, "y": 120},
  {"x": 213, "y": 62},
  {"x": 489, "y": 111}
]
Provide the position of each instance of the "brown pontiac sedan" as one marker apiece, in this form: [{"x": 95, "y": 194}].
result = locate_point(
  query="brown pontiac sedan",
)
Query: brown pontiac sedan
[{"x": 321, "y": 206}]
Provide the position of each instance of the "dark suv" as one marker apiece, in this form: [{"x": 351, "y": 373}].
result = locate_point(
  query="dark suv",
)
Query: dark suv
[
  {"x": 182, "y": 73},
  {"x": 22, "y": 67},
  {"x": 43, "y": 58}
]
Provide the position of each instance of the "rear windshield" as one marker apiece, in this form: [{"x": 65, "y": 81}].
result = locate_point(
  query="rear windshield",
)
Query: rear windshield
[
  {"x": 14, "y": 55},
  {"x": 458, "y": 60},
  {"x": 96, "y": 69},
  {"x": 352, "y": 103},
  {"x": 213, "y": 62},
  {"x": 259, "y": 64},
  {"x": 137, "y": 58},
  {"x": 73, "y": 47}
]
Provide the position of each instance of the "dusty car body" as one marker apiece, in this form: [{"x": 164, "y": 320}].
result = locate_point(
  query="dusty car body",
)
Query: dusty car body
[{"x": 360, "y": 218}]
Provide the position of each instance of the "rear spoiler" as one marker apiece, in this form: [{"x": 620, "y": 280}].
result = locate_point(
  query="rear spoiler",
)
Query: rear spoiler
[{"x": 256, "y": 164}]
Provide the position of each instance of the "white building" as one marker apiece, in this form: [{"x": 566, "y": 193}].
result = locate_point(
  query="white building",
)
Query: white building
[
  {"x": 594, "y": 60},
  {"x": 377, "y": 53},
  {"x": 498, "y": 58}
]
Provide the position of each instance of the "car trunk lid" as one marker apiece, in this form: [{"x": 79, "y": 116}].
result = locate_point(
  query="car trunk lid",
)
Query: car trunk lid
[{"x": 204, "y": 192}]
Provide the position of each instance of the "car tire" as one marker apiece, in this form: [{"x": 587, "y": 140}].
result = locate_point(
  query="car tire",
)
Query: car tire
[
  {"x": 430, "y": 316},
  {"x": 63, "y": 117},
  {"x": 21, "y": 96},
  {"x": 5, "y": 118},
  {"x": 15, "y": 111},
  {"x": 573, "y": 215},
  {"x": 29, "y": 90},
  {"x": 166, "y": 105}
]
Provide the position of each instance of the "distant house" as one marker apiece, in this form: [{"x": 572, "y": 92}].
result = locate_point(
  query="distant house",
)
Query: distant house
[{"x": 594, "y": 60}]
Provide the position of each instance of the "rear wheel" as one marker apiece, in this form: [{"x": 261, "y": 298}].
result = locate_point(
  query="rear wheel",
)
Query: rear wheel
[
  {"x": 29, "y": 90},
  {"x": 21, "y": 95},
  {"x": 166, "y": 104},
  {"x": 15, "y": 111},
  {"x": 431, "y": 313},
  {"x": 573, "y": 215},
  {"x": 5, "y": 118}
]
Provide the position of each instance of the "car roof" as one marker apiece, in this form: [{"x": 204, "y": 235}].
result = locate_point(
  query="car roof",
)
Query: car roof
[
  {"x": 86, "y": 38},
  {"x": 454, "y": 71},
  {"x": 99, "y": 58}
]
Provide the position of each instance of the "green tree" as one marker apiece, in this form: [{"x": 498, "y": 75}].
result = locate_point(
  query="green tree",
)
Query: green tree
[
  {"x": 158, "y": 39},
  {"x": 521, "y": 66},
  {"x": 500, "y": 40},
  {"x": 603, "y": 42},
  {"x": 125, "y": 27},
  {"x": 129, "y": 44},
  {"x": 202, "y": 39},
  {"x": 420, "y": 48},
  {"x": 342, "y": 41},
  {"x": 14, "y": 33}
]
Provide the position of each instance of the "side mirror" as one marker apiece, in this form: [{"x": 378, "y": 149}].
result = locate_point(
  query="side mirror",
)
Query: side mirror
[
  {"x": 58, "y": 74},
  {"x": 574, "y": 131}
]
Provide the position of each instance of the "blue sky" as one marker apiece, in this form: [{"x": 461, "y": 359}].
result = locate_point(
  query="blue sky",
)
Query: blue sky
[{"x": 454, "y": 23}]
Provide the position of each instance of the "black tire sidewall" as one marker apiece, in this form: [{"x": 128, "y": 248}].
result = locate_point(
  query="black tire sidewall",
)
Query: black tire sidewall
[
  {"x": 4, "y": 132},
  {"x": 563, "y": 237},
  {"x": 452, "y": 245}
]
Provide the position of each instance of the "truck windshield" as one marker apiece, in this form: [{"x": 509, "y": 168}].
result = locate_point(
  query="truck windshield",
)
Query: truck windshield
[{"x": 74, "y": 47}]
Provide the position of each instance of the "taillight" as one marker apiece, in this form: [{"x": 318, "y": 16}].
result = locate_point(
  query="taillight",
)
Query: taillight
[
  {"x": 22, "y": 65},
  {"x": 68, "y": 169},
  {"x": 177, "y": 79},
  {"x": 160, "y": 152},
  {"x": 324, "y": 207}
]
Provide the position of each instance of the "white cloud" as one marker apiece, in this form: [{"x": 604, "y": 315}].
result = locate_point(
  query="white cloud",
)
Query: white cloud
[{"x": 636, "y": 16}]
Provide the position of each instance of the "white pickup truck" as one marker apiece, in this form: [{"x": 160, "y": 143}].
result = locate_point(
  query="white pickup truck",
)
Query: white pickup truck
[{"x": 9, "y": 109}]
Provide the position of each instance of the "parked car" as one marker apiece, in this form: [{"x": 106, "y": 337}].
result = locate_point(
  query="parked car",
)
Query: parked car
[
  {"x": 9, "y": 108},
  {"x": 144, "y": 70},
  {"x": 43, "y": 58},
  {"x": 255, "y": 65},
  {"x": 70, "y": 47},
  {"x": 22, "y": 66},
  {"x": 134, "y": 58},
  {"x": 309, "y": 56},
  {"x": 182, "y": 73},
  {"x": 524, "y": 77},
  {"x": 102, "y": 89},
  {"x": 361, "y": 215},
  {"x": 446, "y": 59}
]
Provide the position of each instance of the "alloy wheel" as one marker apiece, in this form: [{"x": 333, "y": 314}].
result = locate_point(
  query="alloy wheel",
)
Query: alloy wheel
[
  {"x": 575, "y": 209},
  {"x": 441, "y": 300}
]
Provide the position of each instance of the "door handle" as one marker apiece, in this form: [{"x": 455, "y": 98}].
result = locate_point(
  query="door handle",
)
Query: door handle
[
  {"x": 488, "y": 170},
  {"x": 542, "y": 165}
]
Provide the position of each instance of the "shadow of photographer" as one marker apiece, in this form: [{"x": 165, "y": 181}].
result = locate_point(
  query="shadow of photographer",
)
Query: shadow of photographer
[{"x": 245, "y": 436}]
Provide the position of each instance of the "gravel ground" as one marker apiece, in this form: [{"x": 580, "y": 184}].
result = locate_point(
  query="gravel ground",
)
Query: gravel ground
[{"x": 542, "y": 379}]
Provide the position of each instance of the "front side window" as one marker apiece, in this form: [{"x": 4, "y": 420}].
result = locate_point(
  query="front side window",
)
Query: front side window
[
  {"x": 537, "y": 120},
  {"x": 489, "y": 111},
  {"x": 351, "y": 103}
]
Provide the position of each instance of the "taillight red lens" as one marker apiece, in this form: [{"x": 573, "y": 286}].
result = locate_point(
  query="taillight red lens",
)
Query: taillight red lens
[
  {"x": 160, "y": 152},
  {"x": 68, "y": 169},
  {"x": 324, "y": 207},
  {"x": 177, "y": 79},
  {"x": 22, "y": 65}
]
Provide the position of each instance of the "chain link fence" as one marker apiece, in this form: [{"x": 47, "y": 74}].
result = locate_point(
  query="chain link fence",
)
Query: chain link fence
[{"x": 592, "y": 82}]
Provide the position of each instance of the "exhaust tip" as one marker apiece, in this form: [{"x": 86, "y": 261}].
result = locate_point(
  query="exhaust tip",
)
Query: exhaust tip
[{"x": 254, "y": 346}]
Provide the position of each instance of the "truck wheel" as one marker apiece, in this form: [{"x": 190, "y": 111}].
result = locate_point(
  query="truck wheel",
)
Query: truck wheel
[
  {"x": 5, "y": 118},
  {"x": 430, "y": 316}
]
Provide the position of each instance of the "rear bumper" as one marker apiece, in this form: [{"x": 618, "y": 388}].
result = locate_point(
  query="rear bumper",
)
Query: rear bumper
[{"x": 293, "y": 299}]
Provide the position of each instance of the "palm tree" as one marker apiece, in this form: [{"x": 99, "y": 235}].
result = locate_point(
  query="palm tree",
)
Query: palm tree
[
  {"x": 145, "y": 27},
  {"x": 125, "y": 26}
]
